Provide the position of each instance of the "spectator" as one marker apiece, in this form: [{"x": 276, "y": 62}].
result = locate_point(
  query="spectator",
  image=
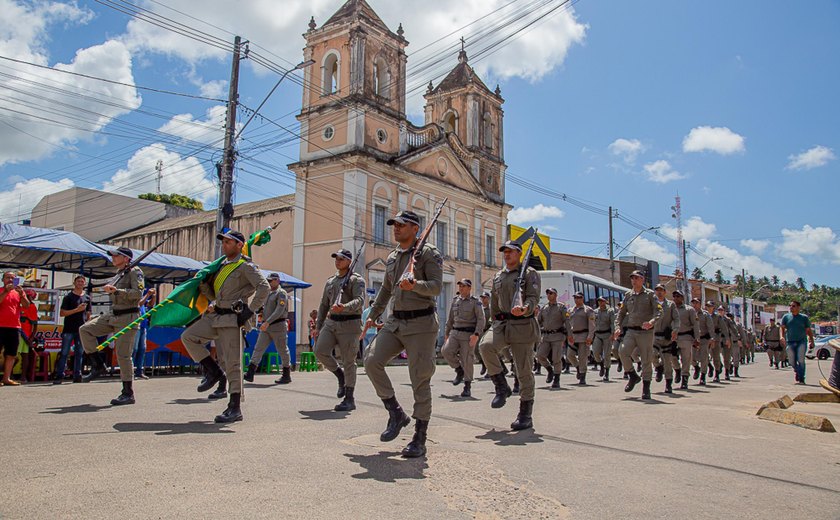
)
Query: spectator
[
  {"x": 12, "y": 298},
  {"x": 313, "y": 318},
  {"x": 140, "y": 339},
  {"x": 28, "y": 328},
  {"x": 75, "y": 309},
  {"x": 796, "y": 327}
]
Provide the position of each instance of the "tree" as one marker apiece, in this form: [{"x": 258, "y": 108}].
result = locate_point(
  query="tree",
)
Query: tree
[
  {"x": 719, "y": 277},
  {"x": 174, "y": 199},
  {"x": 775, "y": 281},
  {"x": 800, "y": 283},
  {"x": 697, "y": 274}
]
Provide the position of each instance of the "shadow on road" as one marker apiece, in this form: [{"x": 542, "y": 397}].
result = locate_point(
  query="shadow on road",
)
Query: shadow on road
[
  {"x": 645, "y": 401},
  {"x": 388, "y": 466},
  {"x": 197, "y": 400},
  {"x": 457, "y": 397},
  {"x": 323, "y": 415},
  {"x": 172, "y": 428},
  {"x": 260, "y": 385},
  {"x": 79, "y": 408},
  {"x": 511, "y": 438}
]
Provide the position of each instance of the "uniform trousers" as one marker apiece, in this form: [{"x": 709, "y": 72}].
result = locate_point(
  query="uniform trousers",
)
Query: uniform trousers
[
  {"x": 276, "y": 334},
  {"x": 228, "y": 348},
  {"x": 458, "y": 352},
  {"x": 643, "y": 341},
  {"x": 329, "y": 339},
  {"x": 104, "y": 325}
]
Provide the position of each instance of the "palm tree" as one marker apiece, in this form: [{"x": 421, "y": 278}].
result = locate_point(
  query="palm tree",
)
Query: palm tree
[
  {"x": 800, "y": 283},
  {"x": 774, "y": 280},
  {"x": 719, "y": 277},
  {"x": 697, "y": 273}
]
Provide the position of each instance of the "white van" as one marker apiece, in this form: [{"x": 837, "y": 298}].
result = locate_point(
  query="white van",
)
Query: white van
[{"x": 568, "y": 283}]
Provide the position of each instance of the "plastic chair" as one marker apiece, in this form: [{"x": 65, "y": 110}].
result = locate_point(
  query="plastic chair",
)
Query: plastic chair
[
  {"x": 43, "y": 364},
  {"x": 272, "y": 360},
  {"x": 246, "y": 359},
  {"x": 308, "y": 362}
]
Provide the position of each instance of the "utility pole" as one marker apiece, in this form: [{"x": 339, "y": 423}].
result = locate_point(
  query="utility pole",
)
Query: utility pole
[
  {"x": 744, "y": 301},
  {"x": 687, "y": 287},
  {"x": 159, "y": 169},
  {"x": 225, "y": 211},
  {"x": 612, "y": 256}
]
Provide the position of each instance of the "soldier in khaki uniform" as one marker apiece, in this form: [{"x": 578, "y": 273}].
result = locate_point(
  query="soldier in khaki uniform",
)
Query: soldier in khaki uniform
[
  {"x": 688, "y": 337},
  {"x": 412, "y": 326},
  {"x": 553, "y": 319},
  {"x": 642, "y": 311},
  {"x": 228, "y": 290},
  {"x": 721, "y": 338},
  {"x": 706, "y": 328},
  {"x": 463, "y": 329},
  {"x": 514, "y": 325},
  {"x": 274, "y": 328},
  {"x": 485, "y": 306},
  {"x": 739, "y": 341},
  {"x": 771, "y": 336},
  {"x": 125, "y": 296},
  {"x": 338, "y": 326},
  {"x": 582, "y": 321},
  {"x": 665, "y": 337},
  {"x": 602, "y": 344},
  {"x": 734, "y": 342}
]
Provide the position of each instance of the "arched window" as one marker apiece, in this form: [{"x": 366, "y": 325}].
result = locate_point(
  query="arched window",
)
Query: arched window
[
  {"x": 381, "y": 78},
  {"x": 330, "y": 73},
  {"x": 488, "y": 131},
  {"x": 450, "y": 121}
]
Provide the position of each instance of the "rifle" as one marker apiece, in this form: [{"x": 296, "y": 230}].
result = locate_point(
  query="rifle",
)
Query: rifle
[
  {"x": 417, "y": 250},
  {"x": 519, "y": 296},
  {"x": 134, "y": 263},
  {"x": 346, "y": 281}
]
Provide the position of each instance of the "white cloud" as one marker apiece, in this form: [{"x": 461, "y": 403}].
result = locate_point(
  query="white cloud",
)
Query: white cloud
[
  {"x": 819, "y": 243},
  {"x": 713, "y": 139},
  {"x": 694, "y": 229},
  {"x": 531, "y": 55},
  {"x": 651, "y": 250},
  {"x": 538, "y": 213},
  {"x": 661, "y": 172},
  {"x": 17, "y": 203},
  {"x": 38, "y": 120},
  {"x": 813, "y": 158},
  {"x": 629, "y": 149},
  {"x": 734, "y": 258},
  {"x": 179, "y": 175},
  {"x": 756, "y": 246},
  {"x": 209, "y": 130}
]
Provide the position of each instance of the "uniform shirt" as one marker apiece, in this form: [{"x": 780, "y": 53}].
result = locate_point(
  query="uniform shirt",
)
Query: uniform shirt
[
  {"x": 241, "y": 283},
  {"x": 638, "y": 308},
  {"x": 465, "y": 313},
  {"x": 734, "y": 333},
  {"x": 795, "y": 326},
  {"x": 276, "y": 308},
  {"x": 505, "y": 287},
  {"x": 487, "y": 316},
  {"x": 428, "y": 274},
  {"x": 721, "y": 329},
  {"x": 669, "y": 320},
  {"x": 689, "y": 324},
  {"x": 352, "y": 297},
  {"x": 582, "y": 320},
  {"x": 604, "y": 320},
  {"x": 554, "y": 317},
  {"x": 772, "y": 333},
  {"x": 706, "y": 324},
  {"x": 129, "y": 290}
]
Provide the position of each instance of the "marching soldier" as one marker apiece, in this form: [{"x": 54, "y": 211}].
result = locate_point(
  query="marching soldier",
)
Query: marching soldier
[
  {"x": 463, "y": 329},
  {"x": 553, "y": 319},
  {"x": 688, "y": 337},
  {"x": 771, "y": 336},
  {"x": 706, "y": 327},
  {"x": 228, "y": 290},
  {"x": 514, "y": 326},
  {"x": 617, "y": 341},
  {"x": 721, "y": 344},
  {"x": 124, "y": 295},
  {"x": 412, "y": 326},
  {"x": 485, "y": 306},
  {"x": 275, "y": 329},
  {"x": 665, "y": 334},
  {"x": 582, "y": 321},
  {"x": 734, "y": 346},
  {"x": 602, "y": 344},
  {"x": 642, "y": 311},
  {"x": 339, "y": 325}
]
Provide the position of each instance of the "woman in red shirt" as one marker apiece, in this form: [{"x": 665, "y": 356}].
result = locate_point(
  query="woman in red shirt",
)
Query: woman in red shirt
[
  {"x": 12, "y": 298},
  {"x": 28, "y": 328}
]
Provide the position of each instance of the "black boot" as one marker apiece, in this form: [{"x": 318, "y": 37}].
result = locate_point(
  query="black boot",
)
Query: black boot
[
  {"x": 717, "y": 376},
  {"x": 221, "y": 390},
  {"x": 702, "y": 379},
  {"x": 777, "y": 366},
  {"x": 633, "y": 380},
  {"x": 606, "y": 377},
  {"x": 537, "y": 368},
  {"x": 249, "y": 375},
  {"x": 126, "y": 397},
  {"x": 660, "y": 373},
  {"x": 97, "y": 369},
  {"x": 567, "y": 367},
  {"x": 620, "y": 366},
  {"x": 466, "y": 391},
  {"x": 645, "y": 389},
  {"x": 550, "y": 377},
  {"x": 523, "y": 420},
  {"x": 397, "y": 420},
  {"x": 339, "y": 374},
  {"x": 711, "y": 370},
  {"x": 233, "y": 413},
  {"x": 582, "y": 379},
  {"x": 417, "y": 446},
  {"x": 696, "y": 372},
  {"x": 483, "y": 369},
  {"x": 285, "y": 377},
  {"x": 669, "y": 389},
  {"x": 736, "y": 372},
  {"x": 626, "y": 375},
  {"x": 212, "y": 374},
  {"x": 556, "y": 381},
  {"x": 601, "y": 372},
  {"x": 505, "y": 370},
  {"x": 515, "y": 385},
  {"x": 459, "y": 376},
  {"x": 684, "y": 385},
  {"x": 503, "y": 391},
  {"x": 639, "y": 367},
  {"x": 727, "y": 371},
  {"x": 349, "y": 403}
]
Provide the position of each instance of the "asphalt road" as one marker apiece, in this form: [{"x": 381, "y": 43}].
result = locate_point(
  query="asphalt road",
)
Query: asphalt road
[{"x": 595, "y": 453}]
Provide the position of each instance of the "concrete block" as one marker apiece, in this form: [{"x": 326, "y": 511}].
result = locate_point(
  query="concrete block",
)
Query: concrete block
[
  {"x": 817, "y": 398},
  {"x": 803, "y": 420},
  {"x": 783, "y": 403}
]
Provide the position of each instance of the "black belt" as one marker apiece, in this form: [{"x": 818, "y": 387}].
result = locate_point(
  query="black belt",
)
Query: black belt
[
  {"x": 502, "y": 316},
  {"x": 689, "y": 333},
  {"x": 221, "y": 311},
  {"x": 634, "y": 328},
  {"x": 580, "y": 331},
  {"x": 345, "y": 317},
  {"x": 705, "y": 337},
  {"x": 553, "y": 331},
  {"x": 120, "y": 312},
  {"x": 464, "y": 329},
  {"x": 605, "y": 331},
  {"x": 410, "y": 315},
  {"x": 659, "y": 334}
]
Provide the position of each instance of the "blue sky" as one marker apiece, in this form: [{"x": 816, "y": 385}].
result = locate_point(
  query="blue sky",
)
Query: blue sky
[{"x": 626, "y": 104}]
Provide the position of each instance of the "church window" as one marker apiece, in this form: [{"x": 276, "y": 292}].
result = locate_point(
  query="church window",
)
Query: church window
[
  {"x": 329, "y": 133},
  {"x": 450, "y": 122},
  {"x": 382, "y": 136},
  {"x": 379, "y": 221},
  {"x": 488, "y": 131},
  {"x": 381, "y": 78},
  {"x": 330, "y": 71}
]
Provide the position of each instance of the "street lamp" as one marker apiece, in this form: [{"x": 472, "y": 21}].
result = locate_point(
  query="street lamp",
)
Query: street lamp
[
  {"x": 299, "y": 66},
  {"x": 654, "y": 228},
  {"x": 709, "y": 260}
]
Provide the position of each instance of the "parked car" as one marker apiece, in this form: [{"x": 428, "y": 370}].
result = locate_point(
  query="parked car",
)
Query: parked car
[{"x": 821, "y": 348}]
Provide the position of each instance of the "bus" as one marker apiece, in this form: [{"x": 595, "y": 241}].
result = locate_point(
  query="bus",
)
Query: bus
[{"x": 568, "y": 283}]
